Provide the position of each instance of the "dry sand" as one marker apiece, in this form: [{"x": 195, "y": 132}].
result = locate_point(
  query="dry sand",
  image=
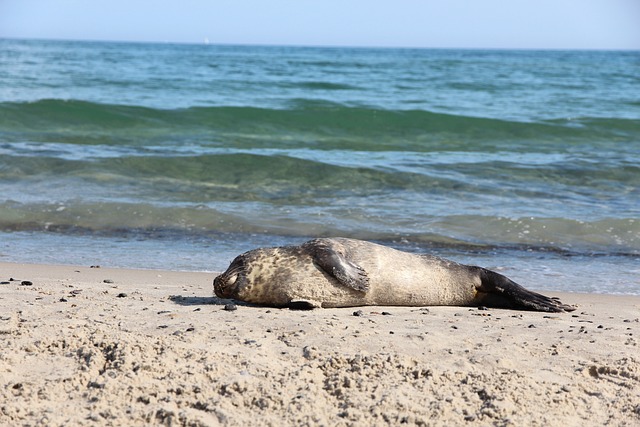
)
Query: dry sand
[{"x": 98, "y": 346}]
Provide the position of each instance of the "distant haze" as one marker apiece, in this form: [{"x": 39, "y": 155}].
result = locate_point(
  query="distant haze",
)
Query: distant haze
[{"x": 545, "y": 24}]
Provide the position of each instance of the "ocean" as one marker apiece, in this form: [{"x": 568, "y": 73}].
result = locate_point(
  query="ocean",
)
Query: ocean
[{"x": 173, "y": 156}]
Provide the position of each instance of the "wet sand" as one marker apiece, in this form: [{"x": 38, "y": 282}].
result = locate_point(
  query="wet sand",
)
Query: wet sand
[{"x": 103, "y": 346}]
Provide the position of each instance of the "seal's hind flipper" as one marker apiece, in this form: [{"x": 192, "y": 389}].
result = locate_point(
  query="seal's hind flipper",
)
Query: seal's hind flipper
[
  {"x": 500, "y": 291},
  {"x": 336, "y": 265}
]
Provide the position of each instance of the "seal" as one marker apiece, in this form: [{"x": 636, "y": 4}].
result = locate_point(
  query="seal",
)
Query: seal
[{"x": 340, "y": 272}]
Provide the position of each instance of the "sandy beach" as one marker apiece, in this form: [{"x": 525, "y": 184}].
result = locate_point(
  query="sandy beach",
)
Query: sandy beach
[{"x": 99, "y": 346}]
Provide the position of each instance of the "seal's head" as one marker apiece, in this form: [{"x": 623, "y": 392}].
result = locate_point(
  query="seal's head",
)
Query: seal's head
[
  {"x": 260, "y": 276},
  {"x": 228, "y": 283}
]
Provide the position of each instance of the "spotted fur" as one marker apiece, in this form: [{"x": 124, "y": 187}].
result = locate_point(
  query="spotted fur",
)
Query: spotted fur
[{"x": 340, "y": 272}]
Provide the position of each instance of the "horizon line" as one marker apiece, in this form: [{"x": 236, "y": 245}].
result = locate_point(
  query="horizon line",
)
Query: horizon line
[{"x": 206, "y": 42}]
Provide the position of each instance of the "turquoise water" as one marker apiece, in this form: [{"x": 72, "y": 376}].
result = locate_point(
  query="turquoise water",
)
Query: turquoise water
[{"x": 182, "y": 156}]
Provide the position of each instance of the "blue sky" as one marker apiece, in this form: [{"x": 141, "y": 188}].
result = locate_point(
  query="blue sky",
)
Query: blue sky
[{"x": 551, "y": 24}]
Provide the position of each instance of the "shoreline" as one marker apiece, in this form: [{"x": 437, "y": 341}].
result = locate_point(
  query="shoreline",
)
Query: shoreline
[{"x": 139, "y": 347}]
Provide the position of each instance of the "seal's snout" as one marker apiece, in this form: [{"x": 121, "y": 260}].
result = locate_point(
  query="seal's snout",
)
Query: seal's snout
[
  {"x": 223, "y": 285},
  {"x": 219, "y": 285},
  {"x": 226, "y": 284}
]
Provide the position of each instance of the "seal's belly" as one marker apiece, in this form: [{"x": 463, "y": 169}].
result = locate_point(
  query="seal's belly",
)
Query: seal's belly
[
  {"x": 412, "y": 281},
  {"x": 395, "y": 278}
]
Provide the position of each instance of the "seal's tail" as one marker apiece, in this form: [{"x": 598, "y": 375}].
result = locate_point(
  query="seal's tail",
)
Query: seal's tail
[{"x": 497, "y": 290}]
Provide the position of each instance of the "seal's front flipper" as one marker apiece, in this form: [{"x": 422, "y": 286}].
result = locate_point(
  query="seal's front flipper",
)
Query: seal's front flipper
[
  {"x": 300, "y": 304},
  {"x": 499, "y": 291},
  {"x": 336, "y": 264}
]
